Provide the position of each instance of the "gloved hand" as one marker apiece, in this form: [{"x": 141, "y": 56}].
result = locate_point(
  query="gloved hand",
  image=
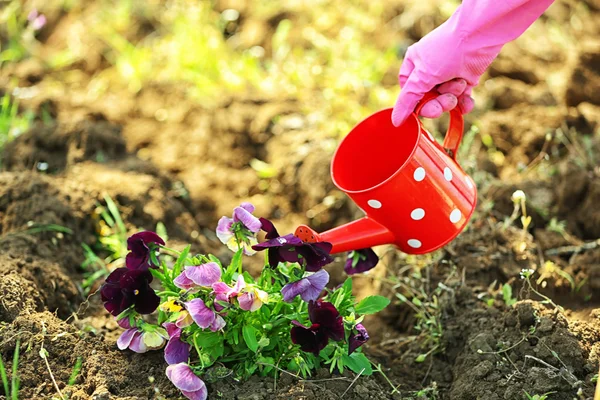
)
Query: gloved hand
[{"x": 453, "y": 56}]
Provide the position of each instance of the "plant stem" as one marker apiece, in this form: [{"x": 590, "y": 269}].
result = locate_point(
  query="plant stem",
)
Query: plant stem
[{"x": 15, "y": 377}]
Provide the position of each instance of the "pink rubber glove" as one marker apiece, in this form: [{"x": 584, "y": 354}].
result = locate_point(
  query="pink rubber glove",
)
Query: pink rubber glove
[{"x": 457, "y": 53}]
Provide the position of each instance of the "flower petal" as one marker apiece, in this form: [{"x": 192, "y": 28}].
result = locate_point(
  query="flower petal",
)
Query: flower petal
[
  {"x": 153, "y": 340},
  {"x": 246, "y": 300},
  {"x": 361, "y": 261},
  {"x": 135, "y": 261},
  {"x": 317, "y": 283},
  {"x": 205, "y": 274},
  {"x": 145, "y": 237},
  {"x": 184, "y": 378},
  {"x": 202, "y": 315},
  {"x": 358, "y": 339},
  {"x": 124, "y": 323},
  {"x": 184, "y": 319},
  {"x": 268, "y": 227},
  {"x": 137, "y": 344},
  {"x": 146, "y": 301},
  {"x": 316, "y": 255},
  {"x": 309, "y": 340},
  {"x": 177, "y": 351},
  {"x": 218, "y": 324},
  {"x": 224, "y": 232},
  {"x": 291, "y": 290},
  {"x": 201, "y": 394},
  {"x": 183, "y": 281},
  {"x": 125, "y": 339},
  {"x": 250, "y": 221},
  {"x": 328, "y": 318},
  {"x": 172, "y": 330},
  {"x": 248, "y": 207}
]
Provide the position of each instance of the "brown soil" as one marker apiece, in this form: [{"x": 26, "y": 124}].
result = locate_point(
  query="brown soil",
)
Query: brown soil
[{"x": 191, "y": 167}]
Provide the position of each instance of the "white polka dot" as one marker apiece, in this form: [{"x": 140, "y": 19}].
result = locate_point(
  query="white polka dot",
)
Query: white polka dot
[
  {"x": 417, "y": 214},
  {"x": 374, "y": 203},
  {"x": 455, "y": 216},
  {"x": 469, "y": 183},
  {"x": 447, "y": 174},
  {"x": 414, "y": 243},
  {"x": 419, "y": 174},
  {"x": 430, "y": 136}
]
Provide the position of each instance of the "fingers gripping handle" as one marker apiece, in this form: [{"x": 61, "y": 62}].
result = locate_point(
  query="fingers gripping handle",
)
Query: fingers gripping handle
[{"x": 454, "y": 133}]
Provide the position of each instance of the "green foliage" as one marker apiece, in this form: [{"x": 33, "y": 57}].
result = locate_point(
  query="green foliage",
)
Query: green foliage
[{"x": 11, "y": 388}]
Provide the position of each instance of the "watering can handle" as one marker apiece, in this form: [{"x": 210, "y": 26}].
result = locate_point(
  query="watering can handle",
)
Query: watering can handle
[{"x": 455, "y": 130}]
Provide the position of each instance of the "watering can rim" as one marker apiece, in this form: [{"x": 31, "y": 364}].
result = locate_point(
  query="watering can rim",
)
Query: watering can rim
[{"x": 392, "y": 176}]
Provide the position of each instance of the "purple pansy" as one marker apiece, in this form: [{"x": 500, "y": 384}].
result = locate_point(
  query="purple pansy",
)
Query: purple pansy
[
  {"x": 124, "y": 323},
  {"x": 124, "y": 288},
  {"x": 308, "y": 288},
  {"x": 203, "y": 316},
  {"x": 327, "y": 324},
  {"x": 240, "y": 230},
  {"x": 176, "y": 351},
  {"x": 185, "y": 380},
  {"x": 289, "y": 248},
  {"x": 141, "y": 341},
  {"x": 198, "y": 275},
  {"x": 140, "y": 245},
  {"x": 358, "y": 339},
  {"x": 225, "y": 293},
  {"x": 132, "y": 338},
  {"x": 360, "y": 261}
]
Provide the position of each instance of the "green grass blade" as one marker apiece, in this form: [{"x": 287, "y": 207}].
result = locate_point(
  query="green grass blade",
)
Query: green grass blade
[
  {"x": 15, "y": 376},
  {"x": 4, "y": 378},
  {"x": 76, "y": 370},
  {"x": 114, "y": 211}
]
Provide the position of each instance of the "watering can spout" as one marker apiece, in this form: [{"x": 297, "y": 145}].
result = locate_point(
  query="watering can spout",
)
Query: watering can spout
[{"x": 360, "y": 234}]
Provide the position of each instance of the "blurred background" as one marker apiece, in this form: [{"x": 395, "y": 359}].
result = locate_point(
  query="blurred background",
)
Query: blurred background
[{"x": 119, "y": 115}]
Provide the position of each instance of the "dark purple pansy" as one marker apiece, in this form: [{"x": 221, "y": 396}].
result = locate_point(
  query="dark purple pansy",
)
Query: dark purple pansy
[
  {"x": 289, "y": 248},
  {"x": 124, "y": 288},
  {"x": 360, "y": 261},
  {"x": 140, "y": 245},
  {"x": 358, "y": 339},
  {"x": 327, "y": 324}
]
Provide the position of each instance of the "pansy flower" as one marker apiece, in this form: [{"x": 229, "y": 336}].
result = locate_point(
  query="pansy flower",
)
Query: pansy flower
[
  {"x": 289, "y": 248},
  {"x": 327, "y": 324},
  {"x": 224, "y": 293},
  {"x": 357, "y": 339},
  {"x": 198, "y": 275},
  {"x": 124, "y": 288},
  {"x": 252, "y": 299},
  {"x": 176, "y": 351},
  {"x": 309, "y": 288},
  {"x": 241, "y": 230},
  {"x": 360, "y": 261},
  {"x": 185, "y": 380},
  {"x": 140, "y": 247},
  {"x": 142, "y": 340}
]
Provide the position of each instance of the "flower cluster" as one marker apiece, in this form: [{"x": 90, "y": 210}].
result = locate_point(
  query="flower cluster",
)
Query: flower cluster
[{"x": 210, "y": 313}]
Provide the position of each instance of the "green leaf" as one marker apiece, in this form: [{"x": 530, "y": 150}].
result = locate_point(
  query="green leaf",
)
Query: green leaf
[
  {"x": 207, "y": 339},
  {"x": 417, "y": 302},
  {"x": 178, "y": 267},
  {"x": 249, "y": 333},
  {"x": 372, "y": 304},
  {"x": 421, "y": 358},
  {"x": 358, "y": 362},
  {"x": 236, "y": 264},
  {"x": 347, "y": 286}
]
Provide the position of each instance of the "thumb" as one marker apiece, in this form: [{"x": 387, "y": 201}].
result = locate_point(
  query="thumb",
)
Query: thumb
[{"x": 410, "y": 95}]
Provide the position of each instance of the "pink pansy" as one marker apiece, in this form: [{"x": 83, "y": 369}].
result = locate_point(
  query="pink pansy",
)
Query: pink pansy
[
  {"x": 185, "y": 380},
  {"x": 198, "y": 275}
]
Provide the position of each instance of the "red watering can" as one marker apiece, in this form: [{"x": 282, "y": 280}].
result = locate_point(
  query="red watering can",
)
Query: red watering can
[{"x": 412, "y": 190}]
